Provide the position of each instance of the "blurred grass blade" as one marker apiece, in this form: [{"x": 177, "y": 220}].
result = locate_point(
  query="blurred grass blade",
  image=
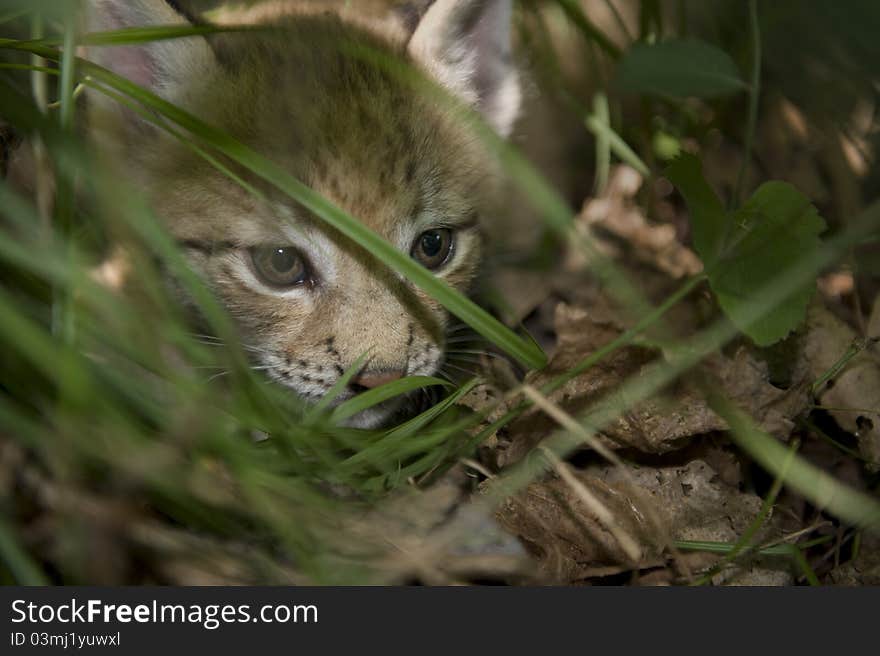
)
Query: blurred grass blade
[
  {"x": 654, "y": 377},
  {"x": 17, "y": 560},
  {"x": 591, "y": 33},
  {"x": 63, "y": 311},
  {"x": 462, "y": 307},
  {"x": 454, "y": 301},
  {"x": 11, "y": 15},
  {"x": 416, "y": 423},
  {"x": 599, "y": 126},
  {"x": 603, "y": 142},
  {"x": 815, "y": 485},
  {"x": 404, "y": 438},
  {"x": 337, "y": 388}
]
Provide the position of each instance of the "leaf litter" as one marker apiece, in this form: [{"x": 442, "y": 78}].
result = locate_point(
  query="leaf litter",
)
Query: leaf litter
[
  {"x": 676, "y": 478},
  {"x": 679, "y": 480}
]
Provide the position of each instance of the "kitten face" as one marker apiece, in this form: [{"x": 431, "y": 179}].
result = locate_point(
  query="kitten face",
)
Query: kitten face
[
  {"x": 308, "y": 305},
  {"x": 309, "y": 302}
]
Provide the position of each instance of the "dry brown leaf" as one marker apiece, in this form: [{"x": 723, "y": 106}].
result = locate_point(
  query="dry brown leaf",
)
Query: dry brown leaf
[
  {"x": 435, "y": 536},
  {"x": 619, "y": 228},
  {"x": 659, "y": 424},
  {"x": 864, "y": 569},
  {"x": 114, "y": 541},
  {"x": 853, "y": 396},
  {"x": 689, "y": 501},
  {"x": 873, "y": 328}
]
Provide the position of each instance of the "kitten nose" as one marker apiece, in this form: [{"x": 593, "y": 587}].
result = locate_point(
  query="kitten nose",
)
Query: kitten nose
[{"x": 370, "y": 379}]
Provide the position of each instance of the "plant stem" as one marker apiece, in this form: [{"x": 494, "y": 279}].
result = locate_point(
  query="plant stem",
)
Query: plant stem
[{"x": 754, "y": 95}]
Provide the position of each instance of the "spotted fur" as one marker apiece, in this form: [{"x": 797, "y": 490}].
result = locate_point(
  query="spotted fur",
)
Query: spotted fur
[{"x": 304, "y": 95}]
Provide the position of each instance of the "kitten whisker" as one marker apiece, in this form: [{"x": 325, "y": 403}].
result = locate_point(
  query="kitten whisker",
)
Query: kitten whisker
[
  {"x": 459, "y": 328},
  {"x": 467, "y": 338},
  {"x": 488, "y": 354},
  {"x": 467, "y": 372},
  {"x": 444, "y": 375},
  {"x": 205, "y": 337},
  {"x": 206, "y": 343},
  {"x": 468, "y": 360},
  {"x": 246, "y": 347},
  {"x": 226, "y": 372}
]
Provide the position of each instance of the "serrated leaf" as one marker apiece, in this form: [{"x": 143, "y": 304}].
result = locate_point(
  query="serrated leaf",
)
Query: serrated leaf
[
  {"x": 743, "y": 251},
  {"x": 706, "y": 211},
  {"x": 777, "y": 228},
  {"x": 679, "y": 68}
]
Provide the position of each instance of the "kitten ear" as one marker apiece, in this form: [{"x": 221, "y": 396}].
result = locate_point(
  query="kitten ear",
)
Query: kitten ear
[
  {"x": 164, "y": 67},
  {"x": 466, "y": 46}
]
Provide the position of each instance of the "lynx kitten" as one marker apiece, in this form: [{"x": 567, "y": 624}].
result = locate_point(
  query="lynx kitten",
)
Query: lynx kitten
[{"x": 307, "y": 300}]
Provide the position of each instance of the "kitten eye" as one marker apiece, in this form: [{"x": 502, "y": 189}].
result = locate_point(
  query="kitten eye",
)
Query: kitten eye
[
  {"x": 433, "y": 247},
  {"x": 279, "y": 266}
]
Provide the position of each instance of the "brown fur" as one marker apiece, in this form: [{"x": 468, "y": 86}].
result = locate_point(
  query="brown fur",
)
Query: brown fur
[{"x": 358, "y": 134}]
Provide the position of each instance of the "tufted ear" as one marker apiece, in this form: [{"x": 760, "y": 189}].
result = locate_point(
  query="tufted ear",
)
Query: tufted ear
[
  {"x": 466, "y": 46},
  {"x": 164, "y": 67}
]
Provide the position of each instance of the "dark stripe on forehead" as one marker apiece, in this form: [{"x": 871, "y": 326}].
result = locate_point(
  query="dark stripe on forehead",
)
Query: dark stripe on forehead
[
  {"x": 185, "y": 13},
  {"x": 207, "y": 247}
]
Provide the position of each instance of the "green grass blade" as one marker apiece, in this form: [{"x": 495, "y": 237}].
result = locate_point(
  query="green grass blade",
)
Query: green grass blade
[
  {"x": 591, "y": 33},
  {"x": 605, "y": 134},
  {"x": 338, "y": 387},
  {"x": 524, "y": 351},
  {"x": 727, "y": 547},
  {"x": 815, "y": 485},
  {"x": 131, "y": 35},
  {"x": 743, "y": 544},
  {"x": 603, "y": 143},
  {"x": 654, "y": 377},
  {"x": 373, "y": 397},
  {"x": 465, "y": 309},
  {"x": 63, "y": 307}
]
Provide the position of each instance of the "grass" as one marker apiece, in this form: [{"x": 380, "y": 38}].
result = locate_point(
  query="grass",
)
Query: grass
[{"x": 90, "y": 394}]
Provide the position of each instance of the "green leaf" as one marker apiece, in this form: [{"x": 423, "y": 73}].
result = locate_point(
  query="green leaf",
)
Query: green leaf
[
  {"x": 679, "y": 68},
  {"x": 777, "y": 228},
  {"x": 706, "y": 211},
  {"x": 743, "y": 251}
]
